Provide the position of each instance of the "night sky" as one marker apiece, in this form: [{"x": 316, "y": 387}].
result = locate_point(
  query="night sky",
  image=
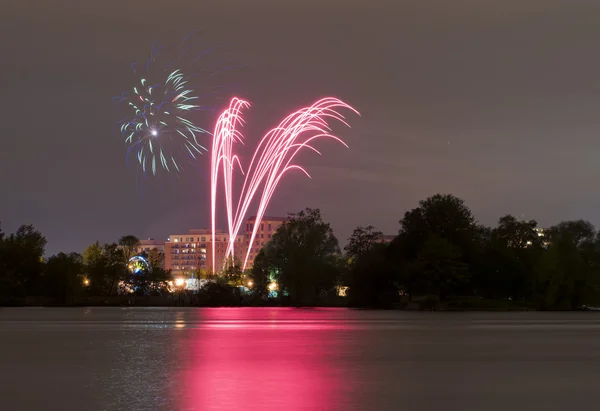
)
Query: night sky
[{"x": 496, "y": 102}]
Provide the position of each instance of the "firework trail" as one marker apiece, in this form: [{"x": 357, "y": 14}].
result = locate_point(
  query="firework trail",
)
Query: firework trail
[
  {"x": 160, "y": 129},
  {"x": 271, "y": 160},
  {"x": 222, "y": 158}
]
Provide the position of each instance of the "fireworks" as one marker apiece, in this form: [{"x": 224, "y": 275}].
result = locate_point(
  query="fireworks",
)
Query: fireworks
[
  {"x": 159, "y": 129},
  {"x": 271, "y": 160}
]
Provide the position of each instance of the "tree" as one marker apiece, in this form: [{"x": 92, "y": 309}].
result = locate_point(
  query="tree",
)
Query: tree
[
  {"x": 444, "y": 216},
  {"x": 578, "y": 231},
  {"x": 361, "y": 241},
  {"x": 233, "y": 272},
  {"x": 218, "y": 293},
  {"x": 203, "y": 274},
  {"x": 261, "y": 275},
  {"x": 441, "y": 217},
  {"x": 107, "y": 270},
  {"x": 129, "y": 244},
  {"x": 303, "y": 254},
  {"x": 22, "y": 256},
  {"x": 149, "y": 281},
  {"x": 62, "y": 277},
  {"x": 92, "y": 253},
  {"x": 568, "y": 274},
  {"x": 442, "y": 268},
  {"x": 508, "y": 259},
  {"x": 372, "y": 280},
  {"x": 156, "y": 258},
  {"x": 513, "y": 233}
]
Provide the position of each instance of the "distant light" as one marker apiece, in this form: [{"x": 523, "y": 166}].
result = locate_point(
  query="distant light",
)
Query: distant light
[
  {"x": 179, "y": 282},
  {"x": 86, "y": 282},
  {"x": 250, "y": 284},
  {"x": 273, "y": 286},
  {"x": 154, "y": 132}
]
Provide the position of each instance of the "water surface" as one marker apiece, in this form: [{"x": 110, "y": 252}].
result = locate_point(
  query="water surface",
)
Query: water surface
[{"x": 262, "y": 359}]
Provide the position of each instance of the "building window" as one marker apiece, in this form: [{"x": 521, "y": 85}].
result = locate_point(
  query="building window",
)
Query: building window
[
  {"x": 269, "y": 227},
  {"x": 262, "y": 227},
  {"x": 203, "y": 239}
]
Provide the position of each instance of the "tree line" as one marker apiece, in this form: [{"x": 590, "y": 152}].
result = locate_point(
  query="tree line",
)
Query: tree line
[
  {"x": 102, "y": 270},
  {"x": 441, "y": 257}
]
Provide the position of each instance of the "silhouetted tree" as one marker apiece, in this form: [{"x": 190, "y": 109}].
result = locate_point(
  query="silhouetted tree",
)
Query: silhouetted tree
[
  {"x": 568, "y": 273},
  {"x": 372, "y": 280},
  {"x": 508, "y": 259},
  {"x": 92, "y": 253},
  {"x": 21, "y": 262},
  {"x": 217, "y": 292},
  {"x": 444, "y": 216},
  {"x": 261, "y": 275},
  {"x": 106, "y": 271},
  {"x": 577, "y": 231},
  {"x": 361, "y": 241},
  {"x": 512, "y": 233},
  {"x": 303, "y": 255},
  {"x": 63, "y": 277},
  {"x": 129, "y": 244},
  {"x": 442, "y": 267},
  {"x": 233, "y": 272}
]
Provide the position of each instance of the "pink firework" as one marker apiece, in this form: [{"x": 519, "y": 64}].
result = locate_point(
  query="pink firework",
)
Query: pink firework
[
  {"x": 271, "y": 160},
  {"x": 222, "y": 158}
]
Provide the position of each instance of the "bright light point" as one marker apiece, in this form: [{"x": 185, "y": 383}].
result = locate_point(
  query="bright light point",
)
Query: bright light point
[
  {"x": 250, "y": 284},
  {"x": 86, "y": 282},
  {"x": 273, "y": 286},
  {"x": 179, "y": 282},
  {"x": 154, "y": 133}
]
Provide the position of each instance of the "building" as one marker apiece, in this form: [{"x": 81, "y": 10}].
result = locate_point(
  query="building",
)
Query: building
[
  {"x": 267, "y": 228},
  {"x": 150, "y": 244},
  {"x": 185, "y": 254}
]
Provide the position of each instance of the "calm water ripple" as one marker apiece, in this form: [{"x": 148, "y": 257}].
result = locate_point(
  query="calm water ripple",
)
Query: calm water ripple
[{"x": 296, "y": 359}]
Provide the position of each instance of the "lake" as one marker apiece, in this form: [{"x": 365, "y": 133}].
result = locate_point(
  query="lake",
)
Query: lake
[{"x": 262, "y": 359}]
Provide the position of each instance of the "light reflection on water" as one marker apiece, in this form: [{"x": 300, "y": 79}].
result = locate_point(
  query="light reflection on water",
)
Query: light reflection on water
[
  {"x": 284, "y": 363},
  {"x": 295, "y": 359}
]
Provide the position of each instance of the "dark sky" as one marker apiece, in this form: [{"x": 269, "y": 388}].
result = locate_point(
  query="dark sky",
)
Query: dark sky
[{"x": 496, "y": 102}]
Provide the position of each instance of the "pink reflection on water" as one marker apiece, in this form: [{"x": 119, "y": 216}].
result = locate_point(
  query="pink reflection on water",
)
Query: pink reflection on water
[{"x": 290, "y": 361}]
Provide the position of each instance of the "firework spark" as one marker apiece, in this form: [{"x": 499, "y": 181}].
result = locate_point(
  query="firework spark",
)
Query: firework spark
[
  {"x": 271, "y": 160},
  {"x": 159, "y": 130},
  {"x": 223, "y": 159}
]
